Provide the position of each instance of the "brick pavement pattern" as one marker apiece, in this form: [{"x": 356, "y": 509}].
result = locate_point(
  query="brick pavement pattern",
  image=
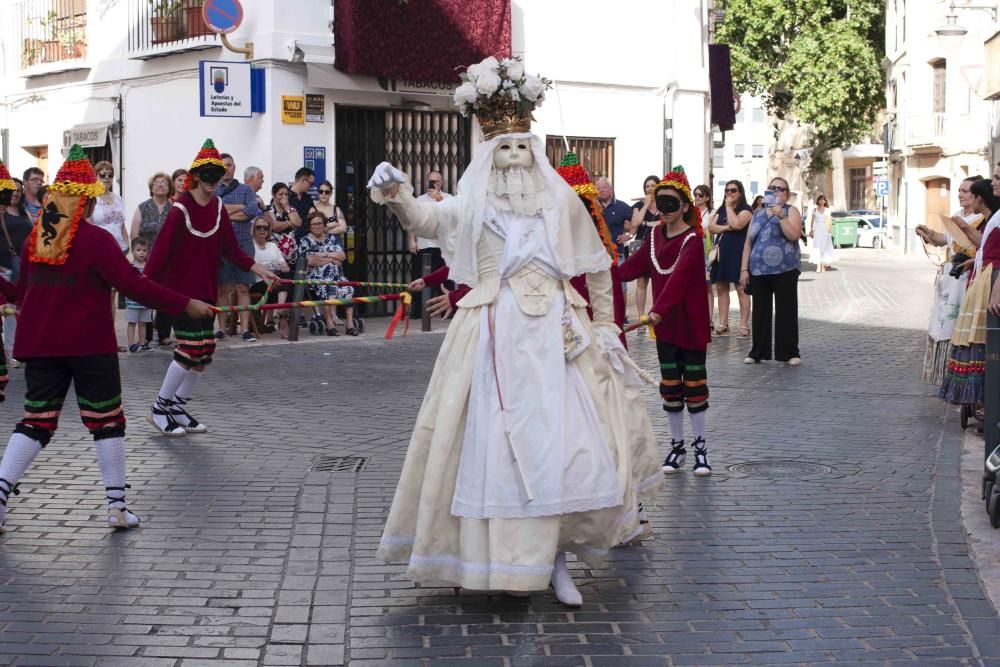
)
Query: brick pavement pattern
[{"x": 249, "y": 557}]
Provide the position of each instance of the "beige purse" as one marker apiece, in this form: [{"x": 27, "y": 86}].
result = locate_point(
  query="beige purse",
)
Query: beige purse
[{"x": 713, "y": 254}]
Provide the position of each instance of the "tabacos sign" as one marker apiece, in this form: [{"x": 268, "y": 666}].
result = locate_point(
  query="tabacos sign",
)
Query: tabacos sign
[{"x": 410, "y": 86}]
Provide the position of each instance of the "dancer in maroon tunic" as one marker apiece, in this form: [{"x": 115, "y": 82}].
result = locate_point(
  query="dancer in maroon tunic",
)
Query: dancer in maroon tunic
[
  {"x": 673, "y": 257},
  {"x": 68, "y": 268},
  {"x": 195, "y": 235}
]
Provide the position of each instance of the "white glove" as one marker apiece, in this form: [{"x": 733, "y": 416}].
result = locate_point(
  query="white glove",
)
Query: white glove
[
  {"x": 618, "y": 358},
  {"x": 385, "y": 175}
]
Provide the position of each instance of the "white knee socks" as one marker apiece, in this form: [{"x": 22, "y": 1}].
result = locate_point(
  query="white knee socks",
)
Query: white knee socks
[
  {"x": 676, "y": 420},
  {"x": 698, "y": 423},
  {"x": 186, "y": 388},
  {"x": 562, "y": 582},
  {"x": 111, "y": 460},
  {"x": 172, "y": 382},
  {"x": 21, "y": 451}
]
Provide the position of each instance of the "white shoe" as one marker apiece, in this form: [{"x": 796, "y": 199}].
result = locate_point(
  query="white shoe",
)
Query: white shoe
[
  {"x": 186, "y": 421},
  {"x": 163, "y": 422},
  {"x": 750, "y": 360},
  {"x": 643, "y": 531},
  {"x": 562, "y": 582},
  {"x": 118, "y": 515},
  {"x": 794, "y": 361}
]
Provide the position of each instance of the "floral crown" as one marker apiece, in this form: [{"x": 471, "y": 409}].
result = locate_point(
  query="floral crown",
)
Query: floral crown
[{"x": 500, "y": 95}]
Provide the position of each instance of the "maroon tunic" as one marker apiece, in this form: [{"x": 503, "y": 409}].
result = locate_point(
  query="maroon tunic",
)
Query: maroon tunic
[
  {"x": 66, "y": 310},
  {"x": 680, "y": 297},
  {"x": 189, "y": 263}
]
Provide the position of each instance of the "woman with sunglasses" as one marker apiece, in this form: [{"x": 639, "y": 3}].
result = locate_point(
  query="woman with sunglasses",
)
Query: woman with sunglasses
[
  {"x": 673, "y": 257},
  {"x": 336, "y": 223},
  {"x": 729, "y": 224},
  {"x": 109, "y": 212},
  {"x": 771, "y": 265},
  {"x": 703, "y": 202}
]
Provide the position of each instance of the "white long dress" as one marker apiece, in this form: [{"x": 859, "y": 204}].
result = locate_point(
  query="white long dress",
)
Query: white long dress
[
  {"x": 461, "y": 512},
  {"x": 822, "y": 251}
]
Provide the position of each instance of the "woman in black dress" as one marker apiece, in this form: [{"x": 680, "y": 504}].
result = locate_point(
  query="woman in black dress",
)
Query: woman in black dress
[
  {"x": 644, "y": 217},
  {"x": 729, "y": 226}
]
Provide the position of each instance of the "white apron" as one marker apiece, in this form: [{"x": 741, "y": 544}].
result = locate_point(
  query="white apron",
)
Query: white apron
[{"x": 563, "y": 458}]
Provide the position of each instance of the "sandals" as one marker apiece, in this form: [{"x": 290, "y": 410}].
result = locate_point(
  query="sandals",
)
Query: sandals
[
  {"x": 332, "y": 331},
  {"x": 722, "y": 331},
  {"x": 744, "y": 332},
  {"x": 351, "y": 331}
]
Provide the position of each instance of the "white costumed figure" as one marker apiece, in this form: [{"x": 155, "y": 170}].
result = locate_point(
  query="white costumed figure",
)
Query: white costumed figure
[{"x": 521, "y": 451}]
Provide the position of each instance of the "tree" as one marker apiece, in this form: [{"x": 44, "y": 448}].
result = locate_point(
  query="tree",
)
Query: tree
[{"x": 814, "y": 60}]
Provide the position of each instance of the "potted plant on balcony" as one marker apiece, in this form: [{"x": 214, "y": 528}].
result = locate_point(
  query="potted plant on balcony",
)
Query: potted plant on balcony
[
  {"x": 52, "y": 48},
  {"x": 167, "y": 23},
  {"x": 32, "y": 52},
  {"x": 195, "y": 25}
]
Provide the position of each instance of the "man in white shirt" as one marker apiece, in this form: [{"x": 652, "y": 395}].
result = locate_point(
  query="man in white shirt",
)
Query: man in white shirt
[{"x": 421, "y": 247}]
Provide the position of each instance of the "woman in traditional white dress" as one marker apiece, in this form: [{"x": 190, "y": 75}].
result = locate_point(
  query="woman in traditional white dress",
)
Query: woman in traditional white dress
[
  {"x": 820, "y": 229},
  {"x": 520, "y": 452}
]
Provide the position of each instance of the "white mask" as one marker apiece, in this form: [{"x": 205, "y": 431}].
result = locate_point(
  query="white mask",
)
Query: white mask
[{"x": 513, "y": 152}]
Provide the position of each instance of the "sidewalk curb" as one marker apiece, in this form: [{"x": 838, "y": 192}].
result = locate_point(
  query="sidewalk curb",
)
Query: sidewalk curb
[{"x": 983, "y": 539}]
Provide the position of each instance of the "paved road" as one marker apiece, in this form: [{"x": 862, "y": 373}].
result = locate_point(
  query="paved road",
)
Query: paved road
[{"x": 249, "y": 557}]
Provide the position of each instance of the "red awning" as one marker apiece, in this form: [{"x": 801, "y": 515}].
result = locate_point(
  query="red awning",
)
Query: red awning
[{"x": 418, "y": 40}]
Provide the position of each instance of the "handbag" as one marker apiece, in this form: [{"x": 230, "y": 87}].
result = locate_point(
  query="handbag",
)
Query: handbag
[
  {"x": 713, "y": 254},
  {"x": 15, "y": 258}
]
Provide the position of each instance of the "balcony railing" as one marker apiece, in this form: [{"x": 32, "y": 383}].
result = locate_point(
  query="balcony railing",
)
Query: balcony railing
[
  {"x": 158, "y": 27},
  {"x": 50, "y": 31},
  {"x": 925, "y": 129}
]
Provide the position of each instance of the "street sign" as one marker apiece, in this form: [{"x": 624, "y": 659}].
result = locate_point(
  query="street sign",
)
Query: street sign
[
  {"x": 882, "y": 187},
  {"x": 224, "y": 89},
  {"x": 222, "y": 16},
  {"x": 880, "y": 169}
]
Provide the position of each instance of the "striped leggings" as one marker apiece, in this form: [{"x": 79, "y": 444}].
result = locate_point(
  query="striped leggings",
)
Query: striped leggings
[
  {"x": 684, "y": 379},
  {"x": 98, "y": 393}
]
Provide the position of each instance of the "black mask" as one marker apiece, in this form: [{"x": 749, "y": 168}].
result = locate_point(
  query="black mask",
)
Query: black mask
[
  {"x": 211, "y": 174},
  {"x": 667, "y": 203}
]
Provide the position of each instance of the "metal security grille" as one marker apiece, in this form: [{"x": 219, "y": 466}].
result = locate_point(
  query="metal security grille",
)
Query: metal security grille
[
  {"x": 416, "y": 142},
  {"x": 596, "y": 155},
  {"x": 339, "y": 464}
]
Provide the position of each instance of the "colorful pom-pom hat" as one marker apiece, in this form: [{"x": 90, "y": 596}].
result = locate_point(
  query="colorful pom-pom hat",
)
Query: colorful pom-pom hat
[{"x": 207, "y": 156}]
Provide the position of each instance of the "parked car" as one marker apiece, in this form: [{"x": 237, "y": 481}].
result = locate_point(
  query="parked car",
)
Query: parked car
[
  {"x": 865, "y": 214},
  {"x": 873, "y": 233}
]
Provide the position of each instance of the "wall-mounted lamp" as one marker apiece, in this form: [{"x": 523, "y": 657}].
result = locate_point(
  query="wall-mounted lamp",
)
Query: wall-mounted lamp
[{"x": 951, "y": 27}]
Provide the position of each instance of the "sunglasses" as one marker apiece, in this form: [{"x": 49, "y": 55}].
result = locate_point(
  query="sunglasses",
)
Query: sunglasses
[
  {"x": 105, "y": 174},
  {"x": 324, "y": 191},
  {"x": 778, "y": 188},
  {"x": 262, "y": 228},
  {"x": 732, "y": 191},
  {"x": 700, "y": 194}
]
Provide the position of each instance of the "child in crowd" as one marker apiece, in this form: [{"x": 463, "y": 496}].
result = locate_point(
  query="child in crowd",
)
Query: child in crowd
[{"x": 136, "y": 313}]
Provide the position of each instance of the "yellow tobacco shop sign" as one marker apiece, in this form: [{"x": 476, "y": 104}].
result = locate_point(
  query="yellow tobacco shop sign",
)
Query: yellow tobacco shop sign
[{"x": 293, "y": 109}]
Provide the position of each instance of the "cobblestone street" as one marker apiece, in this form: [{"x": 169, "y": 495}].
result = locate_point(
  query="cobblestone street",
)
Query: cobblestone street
[{"x": 850, "y": 551}]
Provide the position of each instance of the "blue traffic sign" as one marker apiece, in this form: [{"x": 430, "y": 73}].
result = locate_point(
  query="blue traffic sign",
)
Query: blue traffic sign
[
  {"x": 882, "y": 187},
  {"x": 222, "y": 16}
]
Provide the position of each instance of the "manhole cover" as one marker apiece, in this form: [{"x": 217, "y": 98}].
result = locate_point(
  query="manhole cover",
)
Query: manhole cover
[
  {"x": 339, "y": 464},
  {"x": 780, "y": 469}
]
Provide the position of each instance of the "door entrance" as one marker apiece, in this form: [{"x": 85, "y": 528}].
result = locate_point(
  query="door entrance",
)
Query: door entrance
[
  {"x": 937, "y": 199},
  {"x": 416, "y": 142}
]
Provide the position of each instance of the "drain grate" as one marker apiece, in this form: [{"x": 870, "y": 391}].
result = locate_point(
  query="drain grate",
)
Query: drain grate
[
  {"x": 339, "y": 464},
  {"x": 780, "y": 469}
]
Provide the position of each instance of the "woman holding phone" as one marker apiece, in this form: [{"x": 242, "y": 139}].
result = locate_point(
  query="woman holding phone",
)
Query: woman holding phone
[{"x": 771, "y": 265}]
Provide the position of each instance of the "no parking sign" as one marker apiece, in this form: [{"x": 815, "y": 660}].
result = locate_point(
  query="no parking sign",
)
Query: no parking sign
[{"x": 222, "y": 16}]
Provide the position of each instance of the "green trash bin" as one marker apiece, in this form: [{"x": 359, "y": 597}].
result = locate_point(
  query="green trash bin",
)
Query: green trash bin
[{"x": 845, "y": 232}]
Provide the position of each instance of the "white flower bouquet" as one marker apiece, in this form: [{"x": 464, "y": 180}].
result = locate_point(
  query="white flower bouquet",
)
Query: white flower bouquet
[{"x": 496, "y": 83}]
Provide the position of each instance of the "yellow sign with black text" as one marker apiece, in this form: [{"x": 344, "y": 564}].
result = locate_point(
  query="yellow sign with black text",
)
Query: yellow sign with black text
[{"x": 293, "y": 109}]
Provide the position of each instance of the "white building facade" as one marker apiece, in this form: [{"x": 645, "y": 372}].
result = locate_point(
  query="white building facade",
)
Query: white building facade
[
  {"x": 941, "y": 126},
  {"x": 745, "y": 154},
  {"x": 122, "y": 76}
]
